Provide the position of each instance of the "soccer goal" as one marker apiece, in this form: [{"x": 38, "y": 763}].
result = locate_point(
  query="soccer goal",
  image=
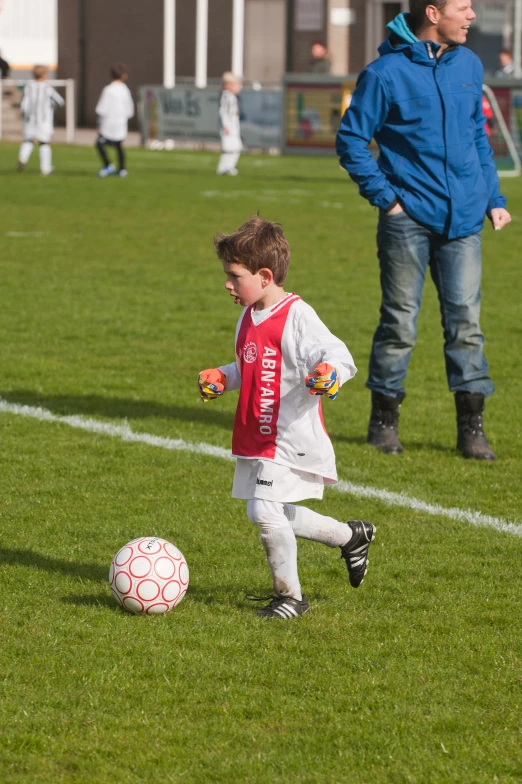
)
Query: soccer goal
[
  {"x": 10, "y": 123},
  {"x": 505, "y": 152}
]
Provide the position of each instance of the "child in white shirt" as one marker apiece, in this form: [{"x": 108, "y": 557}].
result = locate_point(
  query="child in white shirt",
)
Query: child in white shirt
[
  {"x": 37, "y": 106},
  {"x": 229, "y": 130},
  {"x": 114, "y": 110},
  {"x": 286, "y": 359}
]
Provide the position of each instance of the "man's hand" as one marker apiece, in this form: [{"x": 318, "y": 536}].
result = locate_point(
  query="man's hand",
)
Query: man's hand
[
  {"x": 324, "y": 381},
  {"x": 212, "y": 384},
  {"x": 499, "y": 217}
]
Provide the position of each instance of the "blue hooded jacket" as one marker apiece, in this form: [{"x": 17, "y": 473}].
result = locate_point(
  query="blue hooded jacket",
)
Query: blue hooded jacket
[{"x": 425, "y": 113}]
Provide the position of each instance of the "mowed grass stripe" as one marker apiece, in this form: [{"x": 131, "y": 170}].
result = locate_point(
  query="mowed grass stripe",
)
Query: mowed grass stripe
[{"x": 126, "y": 433}]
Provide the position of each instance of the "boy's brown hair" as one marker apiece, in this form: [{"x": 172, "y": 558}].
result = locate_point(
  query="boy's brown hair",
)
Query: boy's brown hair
[
  {"x": 40, "y": 71},
  {"x": 257, "y": 244},
  {"x": 119, "y": 70}
]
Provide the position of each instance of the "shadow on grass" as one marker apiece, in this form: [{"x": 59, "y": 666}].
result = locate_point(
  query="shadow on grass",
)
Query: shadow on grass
[
  {"x": 359, "y": 440},
  {"x": 118, "y": 408},
  {"x": 224, "y": 596},
  {"x": 309, "y": 178},
  {"x": 409, "y": 446},
  {"x": 220, "y": 595},
  {"x": 424, "y": 446},
  {"x": 34, "y": 560},
  {"x": 91, "y": 600}
]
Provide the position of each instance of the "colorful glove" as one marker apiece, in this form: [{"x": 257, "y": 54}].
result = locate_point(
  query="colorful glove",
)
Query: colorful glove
[
  {"x": 324, "y": 381},
  {"x": 211, "y": 384}
]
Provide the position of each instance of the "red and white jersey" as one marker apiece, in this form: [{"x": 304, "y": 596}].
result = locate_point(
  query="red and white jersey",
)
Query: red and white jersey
[{"x": 277, "y": 418}]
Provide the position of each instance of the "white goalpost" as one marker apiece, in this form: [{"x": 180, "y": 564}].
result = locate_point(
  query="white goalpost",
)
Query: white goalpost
[
  {"x": 505, "y": 152},
  {"x": 169, "y": 41},
  {"x": 68, "y": 85}
]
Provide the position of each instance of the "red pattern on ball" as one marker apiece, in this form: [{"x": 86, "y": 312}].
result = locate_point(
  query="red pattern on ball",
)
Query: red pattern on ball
[{"x": 150, "y": 591}]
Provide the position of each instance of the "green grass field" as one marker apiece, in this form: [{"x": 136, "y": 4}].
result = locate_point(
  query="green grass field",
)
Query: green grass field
[{"x": 111, "y": 302}]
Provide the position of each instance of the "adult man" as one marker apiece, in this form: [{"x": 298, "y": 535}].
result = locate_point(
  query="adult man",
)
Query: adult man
[
  {"x": 434, "y": 182},
  {"x": 507, "y": 66},
  {"x": 319, "y": 61}
]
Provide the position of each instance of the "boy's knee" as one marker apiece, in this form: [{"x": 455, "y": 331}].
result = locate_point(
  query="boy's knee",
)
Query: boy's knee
[{"x": 262, "y": 513}]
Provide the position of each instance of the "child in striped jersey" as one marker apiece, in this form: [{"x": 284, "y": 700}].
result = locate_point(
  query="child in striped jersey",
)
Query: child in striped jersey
[
  {"x": 38, "y": 103},
  {"x": 229, "y": 130},
  {"x": 286, "y": 360}
]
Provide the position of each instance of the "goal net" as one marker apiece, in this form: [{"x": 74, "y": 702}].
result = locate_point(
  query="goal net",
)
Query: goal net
[
  {"x": 10, "y": 119},
  {"x": 505, "y": 151}
]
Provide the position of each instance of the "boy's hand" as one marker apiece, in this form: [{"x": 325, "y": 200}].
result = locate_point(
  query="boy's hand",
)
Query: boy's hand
[
  {"x": 212, "y": 384},
  {"x": 324, "y": 381}
]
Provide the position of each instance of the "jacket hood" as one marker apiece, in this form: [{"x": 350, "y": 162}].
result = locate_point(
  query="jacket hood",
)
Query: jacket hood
[
  {"x": 400, "y": 26},
  {"x": 402, "y": 40}
]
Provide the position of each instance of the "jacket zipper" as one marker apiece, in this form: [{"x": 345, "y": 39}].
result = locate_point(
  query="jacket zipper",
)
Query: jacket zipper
[{"x": 450, "y": 216}]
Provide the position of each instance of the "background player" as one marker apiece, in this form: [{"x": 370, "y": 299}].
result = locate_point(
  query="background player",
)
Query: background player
[
  {"x": 229, "y": 129},
  {"x": 286, "y": 358},
  {"x": 114, "y": 110},
  {"x": 37, "y": 107}
]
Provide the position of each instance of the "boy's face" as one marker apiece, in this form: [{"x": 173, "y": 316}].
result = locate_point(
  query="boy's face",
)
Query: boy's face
[
  {"x": 245, "y": 287},
  {"x": 233, "y": 87}
]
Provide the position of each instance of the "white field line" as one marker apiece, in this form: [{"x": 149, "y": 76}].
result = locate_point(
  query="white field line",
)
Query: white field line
[
  {"x": 26, "y": 233},
  {"x": 116, "y": 431},
  {"x": 453, "y": 512},
  {"x": 125, "y": 433}
]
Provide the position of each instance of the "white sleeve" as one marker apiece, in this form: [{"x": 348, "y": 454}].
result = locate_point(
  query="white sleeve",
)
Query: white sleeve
[
  {"x": 315, "y": 344},
  {"x": 56, "y": 97},
  {"x": 226, "y": 108},
  {"x": 130, "y": 105},
  {"x": 232, "y": 371},
  {"x": 233, "y": 376},
  {"x": 101, "y": 106}
]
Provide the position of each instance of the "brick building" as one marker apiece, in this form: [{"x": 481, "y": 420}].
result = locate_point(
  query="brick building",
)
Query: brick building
[{"x": 277, "y": 37}]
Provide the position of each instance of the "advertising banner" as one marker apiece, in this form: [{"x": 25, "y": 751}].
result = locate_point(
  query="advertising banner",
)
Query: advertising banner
[
  {"x": 314, "y": 104},
  {"x": 312, "y": 115},
  {"x": 189, "y": 114}
]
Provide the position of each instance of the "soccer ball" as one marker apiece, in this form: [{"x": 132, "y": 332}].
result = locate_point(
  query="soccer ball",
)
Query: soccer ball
[{"x": 149, "y": 575}]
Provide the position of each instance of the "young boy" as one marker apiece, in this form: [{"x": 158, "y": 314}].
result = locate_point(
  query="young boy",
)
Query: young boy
[
  {"x": 37, "y": 106},
  {"x": 114, "y": 110},
  {"x": 286, "y": 358},
  {"x": 231, "y": 145}
]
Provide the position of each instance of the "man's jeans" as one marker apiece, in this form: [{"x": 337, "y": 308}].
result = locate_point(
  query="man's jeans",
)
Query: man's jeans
[{"x": 406, "y": 249}]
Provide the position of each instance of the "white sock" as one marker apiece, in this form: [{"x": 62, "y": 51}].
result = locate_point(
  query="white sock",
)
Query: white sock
[
  {"x": 319, "y": 528},
  {"x": 227, "y": 161},
  {"x": 25, "y": 151},
  {"x": 45, "y": 159},
  {"x": 281, "y": 553},
  {"x": 280, "y": 545}
]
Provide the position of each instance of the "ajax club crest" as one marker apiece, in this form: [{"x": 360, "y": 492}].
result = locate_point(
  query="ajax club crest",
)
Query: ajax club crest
[{"x": 250, "y": 352}]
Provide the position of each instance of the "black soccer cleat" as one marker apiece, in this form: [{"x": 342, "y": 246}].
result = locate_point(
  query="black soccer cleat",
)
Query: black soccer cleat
[
  {"x": 284, "y": 607},
  {"x": 355, "y": 552}
]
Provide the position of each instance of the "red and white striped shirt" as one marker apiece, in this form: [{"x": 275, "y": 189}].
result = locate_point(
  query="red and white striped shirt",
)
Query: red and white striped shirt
[{"x": 276, "y": 418}]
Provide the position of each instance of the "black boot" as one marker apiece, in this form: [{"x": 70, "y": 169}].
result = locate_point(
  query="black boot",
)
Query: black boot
[
  {"x": 471, "y": 439},
  {"x": 384, "y": 423}
]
